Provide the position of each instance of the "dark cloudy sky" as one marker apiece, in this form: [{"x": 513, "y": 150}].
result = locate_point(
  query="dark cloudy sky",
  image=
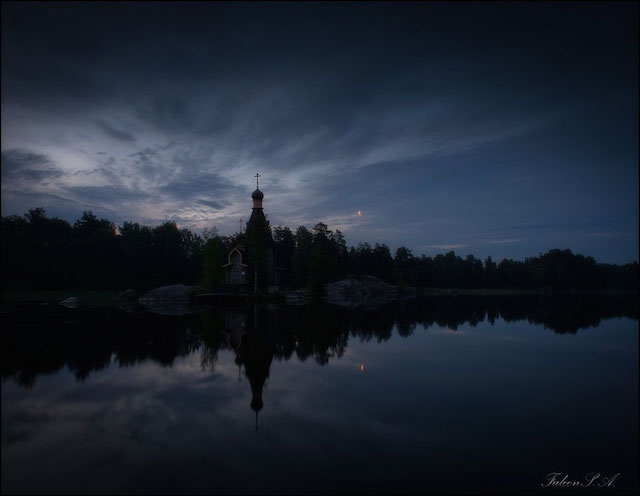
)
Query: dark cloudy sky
[{"x": 501, "y": 129}]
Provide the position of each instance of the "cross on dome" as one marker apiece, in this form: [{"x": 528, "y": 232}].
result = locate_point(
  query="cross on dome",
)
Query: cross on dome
[{"x": 257, "y": 195}]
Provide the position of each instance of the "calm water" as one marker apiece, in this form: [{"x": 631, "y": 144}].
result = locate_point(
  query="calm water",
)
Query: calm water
[{"x": 446, "y": 394}]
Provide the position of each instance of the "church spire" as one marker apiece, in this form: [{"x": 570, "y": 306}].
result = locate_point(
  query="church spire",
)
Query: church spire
[{"x": 257, "y": 195}]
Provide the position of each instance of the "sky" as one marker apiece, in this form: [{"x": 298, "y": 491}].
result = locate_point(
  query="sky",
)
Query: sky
[{"x": 502, "y": 129}]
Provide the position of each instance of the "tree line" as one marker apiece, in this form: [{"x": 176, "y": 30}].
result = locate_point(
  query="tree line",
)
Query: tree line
[
  {"x": 319, "y": 256},
  {"x": 39, "y": 252}
]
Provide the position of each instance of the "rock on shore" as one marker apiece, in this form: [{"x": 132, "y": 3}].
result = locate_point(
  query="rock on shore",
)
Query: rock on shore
[
  {"x": 368, "y": 291},
  {"x": 127, "y": 300},
  {"x": 167, "y": 300}
]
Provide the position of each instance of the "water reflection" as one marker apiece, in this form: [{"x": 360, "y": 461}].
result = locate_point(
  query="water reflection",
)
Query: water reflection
[
  {"x": 439, "y": 411},
  {"x": 41, "y": 339}
]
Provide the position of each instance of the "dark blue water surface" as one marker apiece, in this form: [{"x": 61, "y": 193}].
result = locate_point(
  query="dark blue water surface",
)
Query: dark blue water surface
[{"x": 445, "y": 394}]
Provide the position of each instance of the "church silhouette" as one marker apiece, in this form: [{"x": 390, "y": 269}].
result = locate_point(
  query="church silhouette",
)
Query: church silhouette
[{"x": 251, "y": 262}]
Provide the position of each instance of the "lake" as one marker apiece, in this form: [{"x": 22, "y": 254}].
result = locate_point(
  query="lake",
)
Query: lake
[{"x": 483, "y": 394}]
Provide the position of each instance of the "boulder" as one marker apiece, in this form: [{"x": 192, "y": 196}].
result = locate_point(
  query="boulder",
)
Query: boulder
[
  {"x": 348, "y": 292},
  {"x": 367, "y": 292},
  {"x": 71, "y": 302},
  {"x": 127, "y": 295},
  {"x": 127, "y": 300},
  {"x": 375, "y": 287},
  {"x": 167, "y": 300},
  {"x": 174, "y": 292}
]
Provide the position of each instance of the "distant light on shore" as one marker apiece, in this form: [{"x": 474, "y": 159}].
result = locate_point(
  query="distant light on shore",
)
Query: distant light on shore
[
  {"x": 359, "y": 212},
  {"x": 361, "y": 367}
]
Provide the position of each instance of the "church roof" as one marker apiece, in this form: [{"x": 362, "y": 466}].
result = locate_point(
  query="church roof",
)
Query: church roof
[{"x": 257, "y": 195}]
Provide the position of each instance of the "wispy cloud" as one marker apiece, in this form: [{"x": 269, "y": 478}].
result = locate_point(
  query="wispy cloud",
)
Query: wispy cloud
[
  {"x": 339, "y": 121},
  {"x": 504, "y": 241},
  {"x": 27, "y": 167},
  {"x": 114, "y": 133},
  {"x": 212, "y": 204},
  {"x": 447, "y": 247}
]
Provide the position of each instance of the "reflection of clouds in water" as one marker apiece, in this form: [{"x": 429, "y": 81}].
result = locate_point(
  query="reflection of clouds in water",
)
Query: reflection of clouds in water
[
  {"x": 164, "y": 414},
  {"x": 187, "y": 368},
  {"x": 159, "y": 428},
  {"x": 133, "y": 414}
]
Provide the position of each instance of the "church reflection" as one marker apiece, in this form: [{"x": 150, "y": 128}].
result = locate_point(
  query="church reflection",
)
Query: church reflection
[
  {"x": 249, "y": 333},
  {"x": 234, "y": 329},
  {"x": 254, "y": 352},
  {"x": 39, "y": 340}
]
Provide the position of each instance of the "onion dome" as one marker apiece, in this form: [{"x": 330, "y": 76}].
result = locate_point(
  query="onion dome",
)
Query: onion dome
[{"x": 257, "y": 197}]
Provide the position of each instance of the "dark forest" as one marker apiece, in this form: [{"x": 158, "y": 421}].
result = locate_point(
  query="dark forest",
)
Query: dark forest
[{"x": 41, "y": 252}]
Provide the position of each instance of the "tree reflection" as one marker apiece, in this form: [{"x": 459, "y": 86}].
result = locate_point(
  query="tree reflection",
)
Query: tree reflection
[{"x": 38, "y": 340}]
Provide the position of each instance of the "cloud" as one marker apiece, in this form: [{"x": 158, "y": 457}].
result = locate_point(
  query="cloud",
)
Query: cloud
[
  {"x": 503, "y": 241},
  {"x": 189, "y": 186},
  {"x": 114, "y": 133},
  {"x": 17, "y": 201},
  {"x": 431, "y": 144},
  {"x": 24, "y": 166},
  {"x": 149, "y": 162},
  {"x": 166, "y": 113},
  {"x": 579, "y": 224},
  {"x": 105, "y": 194},
  {"x": 212, "y": 204},
  {"x": 447, "y": 247}
]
